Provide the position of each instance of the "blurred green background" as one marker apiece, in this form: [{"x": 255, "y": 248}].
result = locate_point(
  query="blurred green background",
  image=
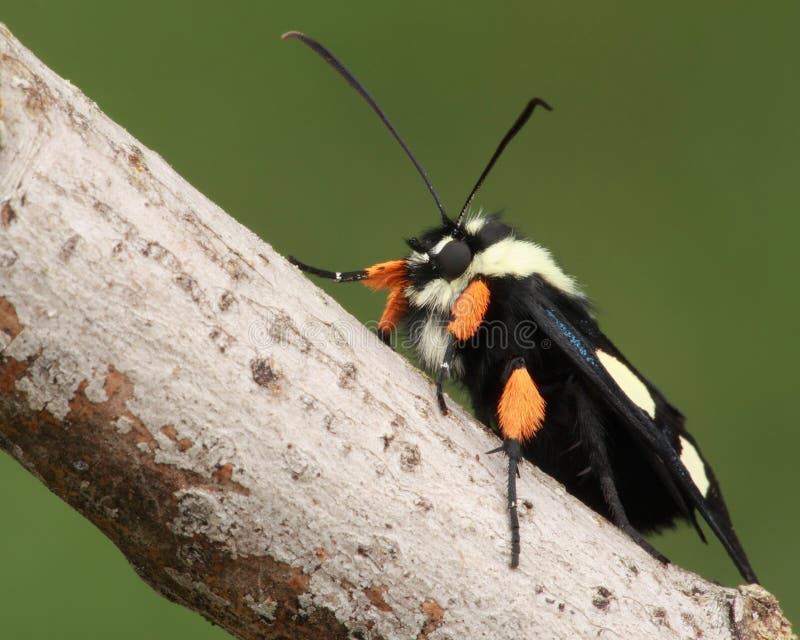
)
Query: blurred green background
[{"x": 666, "y": 179}]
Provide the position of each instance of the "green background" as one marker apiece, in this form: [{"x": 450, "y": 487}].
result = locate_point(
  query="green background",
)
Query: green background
[{"x": 666, "y": 180}]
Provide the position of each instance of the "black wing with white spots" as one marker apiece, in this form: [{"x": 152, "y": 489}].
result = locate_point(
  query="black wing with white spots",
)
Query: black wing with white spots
[{"x": 641, "y": 409}]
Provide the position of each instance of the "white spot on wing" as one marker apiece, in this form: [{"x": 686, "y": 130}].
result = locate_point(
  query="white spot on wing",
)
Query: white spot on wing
[
  {"x": 629, "y": 382},
  {"x": 694, "y": 465}
]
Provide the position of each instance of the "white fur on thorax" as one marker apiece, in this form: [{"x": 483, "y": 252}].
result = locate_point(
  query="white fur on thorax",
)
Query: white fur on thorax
[{"x": 508, "y": 257}]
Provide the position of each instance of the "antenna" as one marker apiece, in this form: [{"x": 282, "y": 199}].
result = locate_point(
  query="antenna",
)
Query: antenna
[
  {"x": 333, "y": 61},
  {"x": 513, "y": 131}
]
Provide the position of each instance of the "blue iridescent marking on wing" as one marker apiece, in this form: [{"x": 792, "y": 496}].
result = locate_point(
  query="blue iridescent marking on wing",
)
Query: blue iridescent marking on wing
[{"x": 576, "y": 342}]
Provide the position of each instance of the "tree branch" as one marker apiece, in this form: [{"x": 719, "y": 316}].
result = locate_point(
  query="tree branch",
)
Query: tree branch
[{"x": 255, "y": 453}]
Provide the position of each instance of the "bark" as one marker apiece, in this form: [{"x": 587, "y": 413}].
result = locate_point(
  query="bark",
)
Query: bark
[{"x": 256, "y": 454}]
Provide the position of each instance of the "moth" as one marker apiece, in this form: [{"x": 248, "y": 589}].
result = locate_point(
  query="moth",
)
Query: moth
[{"x": 494, "y": 310}]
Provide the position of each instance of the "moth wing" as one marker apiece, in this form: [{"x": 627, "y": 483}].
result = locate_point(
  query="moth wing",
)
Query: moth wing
[{"x": 643, "y": 410}]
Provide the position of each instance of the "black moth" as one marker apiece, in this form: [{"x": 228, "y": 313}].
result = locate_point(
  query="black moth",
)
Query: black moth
[{"x": 578, "y": 409}]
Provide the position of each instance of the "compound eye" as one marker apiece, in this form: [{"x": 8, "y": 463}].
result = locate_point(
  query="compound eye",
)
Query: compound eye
[{"x": 453, "y": 259}]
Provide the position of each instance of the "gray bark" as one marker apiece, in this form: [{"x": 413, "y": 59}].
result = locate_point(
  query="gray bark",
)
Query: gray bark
[{"x": 256, "y": 453}]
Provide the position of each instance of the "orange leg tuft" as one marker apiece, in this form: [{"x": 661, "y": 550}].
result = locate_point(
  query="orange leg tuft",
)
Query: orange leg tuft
[
  {"x": 521, "y": 407},
  {"x": 387, "y": 275},
  {"x": 469, "y": 310},
  {"x": 396, "y": 307}
]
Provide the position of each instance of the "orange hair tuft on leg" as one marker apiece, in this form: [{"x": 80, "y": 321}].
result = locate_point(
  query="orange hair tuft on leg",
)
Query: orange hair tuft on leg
[
  {"x": 521, "y": 407},
  {"x": 387, "y": 275},
  {"x": 396, "y": 307},
  {"x": 469, "y": 310}
]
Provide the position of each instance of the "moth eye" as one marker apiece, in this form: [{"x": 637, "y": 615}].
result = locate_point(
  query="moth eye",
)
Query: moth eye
[{"x": 453, "y": 259}]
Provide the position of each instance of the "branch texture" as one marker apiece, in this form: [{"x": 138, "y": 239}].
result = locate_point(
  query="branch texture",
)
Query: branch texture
[{"x": 255, "y": 452}]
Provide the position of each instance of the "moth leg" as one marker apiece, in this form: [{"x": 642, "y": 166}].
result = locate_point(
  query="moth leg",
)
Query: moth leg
[
  {"x": 600, "y": 466},
  {"x": 466, "y": 316},
  {"x": 383, "y": 275},
  {"x": 444, "y": 369},
  {"x": 338, "y": 276},
  {"x": 392, "y": 275},
  {"x": 621, "y": 519},
  {"x": 396, "y": 308},
  {"x": 469, "y": 310},
  {"x": 513, "y": 449},
  {"x": 520, "y": 413}
]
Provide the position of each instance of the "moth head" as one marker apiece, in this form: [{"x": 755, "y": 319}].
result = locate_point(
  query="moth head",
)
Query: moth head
[
  {"x": 449, "y": 255},
  {"x": 447, "y": 252}
]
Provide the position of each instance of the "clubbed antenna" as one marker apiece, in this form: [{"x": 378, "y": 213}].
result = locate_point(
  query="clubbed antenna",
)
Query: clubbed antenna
[
  {"x": 345, "y": 73},
  {"x": 513, "y": 131}
]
